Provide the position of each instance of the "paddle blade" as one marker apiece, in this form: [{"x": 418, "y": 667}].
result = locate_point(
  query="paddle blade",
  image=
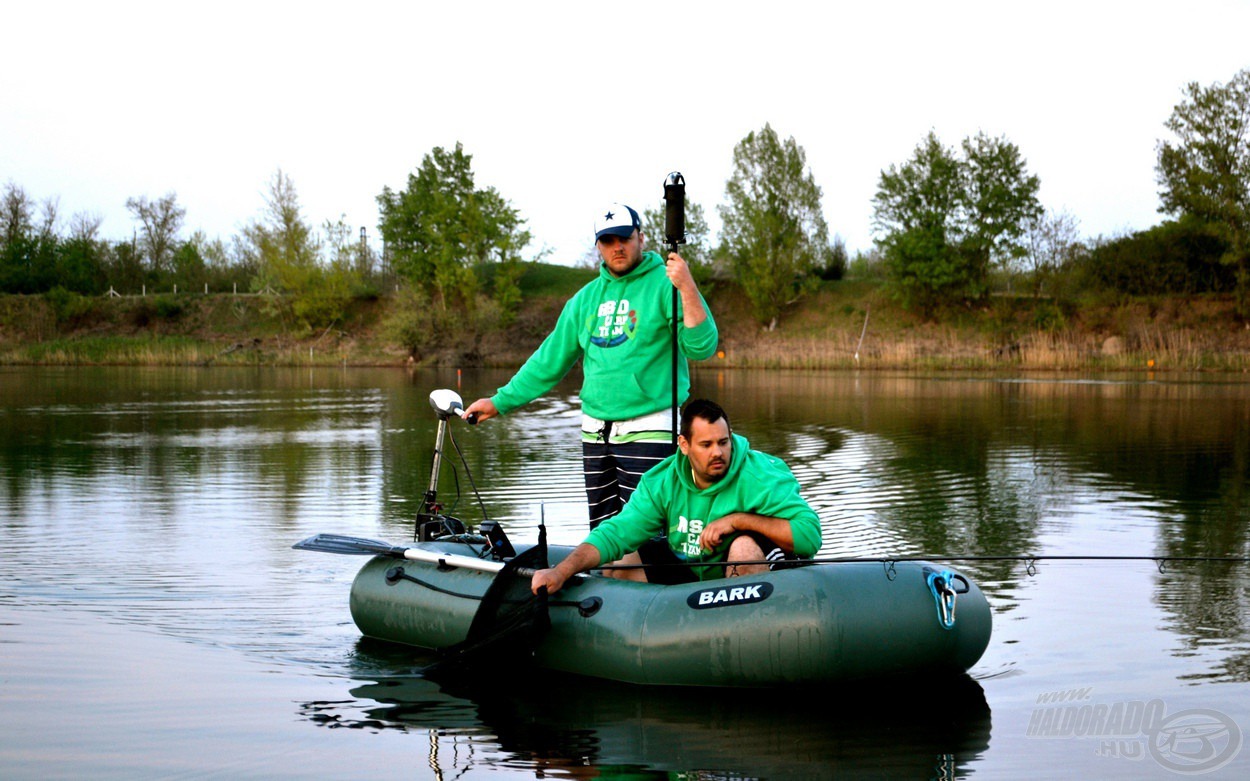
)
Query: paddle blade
[
  {"x": 351, "y": 546},
  {"x": 510, "y": 622}
]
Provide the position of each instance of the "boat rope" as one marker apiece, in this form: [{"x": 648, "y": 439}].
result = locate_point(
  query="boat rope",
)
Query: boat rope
[
  {"x": 397, "y": 573},
  {"x": 587, "y": 607}
]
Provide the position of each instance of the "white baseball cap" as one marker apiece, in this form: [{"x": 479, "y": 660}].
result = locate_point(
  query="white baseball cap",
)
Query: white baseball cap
[{"x": 617, "y": 220}]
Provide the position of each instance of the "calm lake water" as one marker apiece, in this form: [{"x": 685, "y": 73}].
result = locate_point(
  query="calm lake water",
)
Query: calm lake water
[{"x": 155, "y": 622}]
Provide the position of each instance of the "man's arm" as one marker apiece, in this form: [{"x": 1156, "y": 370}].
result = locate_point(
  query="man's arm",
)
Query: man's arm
[
  {"x": 583, "y": 557},
  {"x": 699, "y": 335},
  {"x": 678, "y": 272},
  {"x": 541, "y": 371},
  {"x": 776, "y": 529}
]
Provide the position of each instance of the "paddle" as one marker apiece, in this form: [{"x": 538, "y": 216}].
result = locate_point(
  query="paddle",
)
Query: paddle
[
  {"x": 509, "y": 619},
  {"x": 357, "y": 546},
  {"x": 510, "y": 622}
]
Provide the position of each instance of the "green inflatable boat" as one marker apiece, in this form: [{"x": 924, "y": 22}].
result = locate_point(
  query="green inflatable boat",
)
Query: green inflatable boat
[
  {"x": 821, "y": 622},
  {"x": 814, "y": 624}
]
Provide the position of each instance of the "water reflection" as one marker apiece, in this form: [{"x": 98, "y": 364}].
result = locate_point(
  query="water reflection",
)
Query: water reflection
[
  {"x": 581, "y": 728},
  {"x": 190, "y": 485}
]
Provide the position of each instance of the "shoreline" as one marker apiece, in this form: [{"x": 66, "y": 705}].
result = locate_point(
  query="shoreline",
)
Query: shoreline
[{"x": 844, "y": 325}]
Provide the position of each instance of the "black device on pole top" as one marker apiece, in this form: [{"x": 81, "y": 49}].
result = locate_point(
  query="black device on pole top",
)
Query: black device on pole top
[{"x": 675, "y": 210}]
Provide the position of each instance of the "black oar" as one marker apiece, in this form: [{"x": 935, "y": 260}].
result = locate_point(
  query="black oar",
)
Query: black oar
[
  {"x": 510, "y": 618},
  {"x": 510, "y": 623}
]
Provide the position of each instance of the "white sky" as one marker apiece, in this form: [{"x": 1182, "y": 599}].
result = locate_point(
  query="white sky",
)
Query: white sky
[{"x": 566, "y": 106}]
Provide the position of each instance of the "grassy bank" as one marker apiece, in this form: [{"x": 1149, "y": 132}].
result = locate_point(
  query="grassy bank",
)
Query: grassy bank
[
  {"x": 856, "y": 325},
  {"x": 846, "y": 324}
]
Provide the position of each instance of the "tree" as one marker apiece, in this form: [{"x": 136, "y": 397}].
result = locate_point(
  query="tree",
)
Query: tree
[
  {"x": 695, "y": 251},
  {"x": 1053, "y": 241},
  {"x": 441, "y": 226},
  {"x": 159, "y": 222},
  {"x": 16, "y": 239},
  {"x": 16, "y": 215},
  {"x": 835, "y": 265},
  {"x": 918, "y": 211},
  {"x": 1002, "y": 199},
  {"x": 774, "y": 233},
  {"x": 285, "y": 251},
  {"x": 943, "y": 219},
  {"x": 1205, "y": 171},
  {"x": 281, "y": 246},
  {"x": 28, "y": 244}
]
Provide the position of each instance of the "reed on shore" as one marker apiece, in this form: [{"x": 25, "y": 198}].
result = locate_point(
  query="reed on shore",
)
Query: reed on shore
[{"x": 842, "y": 326}]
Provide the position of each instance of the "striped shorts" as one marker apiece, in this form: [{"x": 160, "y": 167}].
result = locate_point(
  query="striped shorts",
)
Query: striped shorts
[{"x": 615, "y": 454}]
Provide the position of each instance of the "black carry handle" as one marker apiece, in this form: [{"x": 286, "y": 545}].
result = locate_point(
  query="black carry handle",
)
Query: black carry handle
[{"x": 674, "y": 210}]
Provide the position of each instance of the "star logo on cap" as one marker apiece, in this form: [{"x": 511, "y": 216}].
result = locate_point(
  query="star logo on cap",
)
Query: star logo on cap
[{"x": 608, "y": 216}]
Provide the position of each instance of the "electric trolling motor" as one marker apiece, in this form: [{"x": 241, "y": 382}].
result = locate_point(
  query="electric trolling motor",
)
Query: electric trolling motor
[{"x": 432, "y": 523}]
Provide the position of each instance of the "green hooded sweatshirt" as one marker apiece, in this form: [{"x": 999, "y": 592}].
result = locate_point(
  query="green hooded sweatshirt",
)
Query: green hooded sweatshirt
[
  {"x": 668, "y": 502},
  {"x": 621, "y": 329}
]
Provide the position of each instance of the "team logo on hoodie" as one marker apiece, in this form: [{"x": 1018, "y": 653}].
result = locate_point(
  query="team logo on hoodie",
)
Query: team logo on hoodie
[{"x": 614, "y": 324}]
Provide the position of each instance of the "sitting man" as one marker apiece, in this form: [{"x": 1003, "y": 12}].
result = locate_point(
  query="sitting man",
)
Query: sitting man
[{"x": 716, "y": 500}]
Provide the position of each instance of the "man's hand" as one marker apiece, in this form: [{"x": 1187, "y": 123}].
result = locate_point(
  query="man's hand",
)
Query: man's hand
[
  {"x": 482, "y": 409},
  {"x": 776, "y": 529},
  {"x": 582, "y": 558},
  {"x": 551, "y": 578},
  {"x": 679, "y": 273},
  {"x": 716, "y": 532}
]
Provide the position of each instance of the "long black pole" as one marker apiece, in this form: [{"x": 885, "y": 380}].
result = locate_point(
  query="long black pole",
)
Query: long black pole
[
  {"x": 674, "y": 424},
  {"x": 674, "y": 234}
]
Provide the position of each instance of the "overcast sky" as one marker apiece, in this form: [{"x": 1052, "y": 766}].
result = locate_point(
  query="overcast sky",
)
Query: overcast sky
[{"x": 566, "y": 106}]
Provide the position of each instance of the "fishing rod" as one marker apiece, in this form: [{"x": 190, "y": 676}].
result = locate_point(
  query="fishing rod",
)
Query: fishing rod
[{"x": 1029, "y": 560}]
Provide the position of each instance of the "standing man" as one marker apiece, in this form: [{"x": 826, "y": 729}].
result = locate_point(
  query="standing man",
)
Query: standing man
[
  {"x": 619, "y": 326},
  {"x": 715, "y": 501}
]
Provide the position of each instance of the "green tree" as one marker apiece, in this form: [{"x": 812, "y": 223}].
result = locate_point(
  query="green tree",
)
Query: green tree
[
  {"x": 280, "y": 244},
  {"x": 28, "y": 242},
  {"x": 441, "y": 226},
  {"x": 1001, "y": 200},
  {"x": 1205, "y": 171},
  {"x": 917, "y": 211},
  {"x": 836, "y": 262},
  {"x": 943, "y": 219},
  {"x": 16, "y": 239},
  {"x": 159, "y": 223},
  {"x": 774, "y": 234},
  {"x": 188, "y": 269},
  {"x": 286, "y": 252},
  {"x": 1175, "y": 256}
]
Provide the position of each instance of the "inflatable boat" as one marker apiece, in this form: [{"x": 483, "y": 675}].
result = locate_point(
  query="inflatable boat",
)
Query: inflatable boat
[
  {"x": 824, "y": 621},
  {"x": 821, "y": 623}
]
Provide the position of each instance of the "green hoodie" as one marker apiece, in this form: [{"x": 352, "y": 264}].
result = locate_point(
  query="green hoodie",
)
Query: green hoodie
[
  {"x": 621, "y": 329},
  {"x": 667, "y": 500}
]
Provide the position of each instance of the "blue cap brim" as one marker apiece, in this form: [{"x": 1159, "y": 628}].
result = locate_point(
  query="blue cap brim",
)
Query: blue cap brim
[{"x": 620, "y": 231}]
